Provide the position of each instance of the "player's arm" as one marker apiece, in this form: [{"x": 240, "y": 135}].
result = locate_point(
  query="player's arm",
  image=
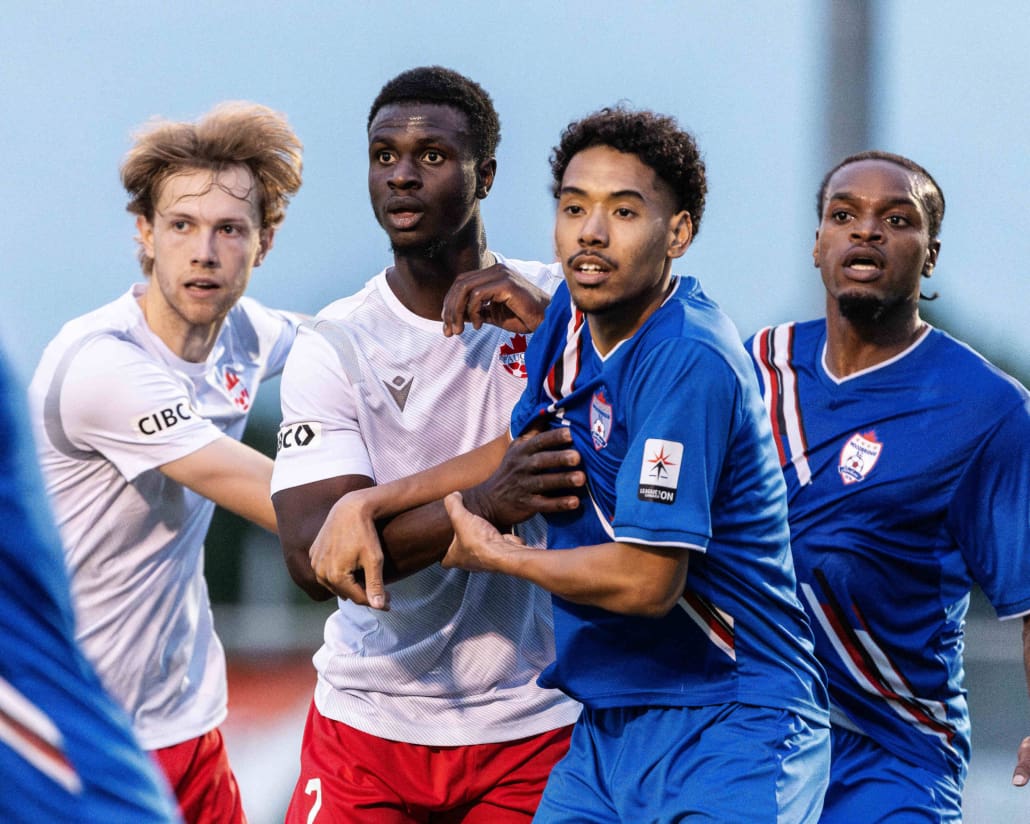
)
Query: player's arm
[
  {"x": 1021, "y": 775},
  {"x": 385, "y": 532},
  {"x": 232, "y": 475},
  {"x": 498, "y": 295},
  {"x": 626, "y": 578}
]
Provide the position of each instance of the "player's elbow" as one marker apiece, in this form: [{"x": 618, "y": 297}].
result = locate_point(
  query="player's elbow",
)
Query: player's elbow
[{"x": 649, "y": 600}]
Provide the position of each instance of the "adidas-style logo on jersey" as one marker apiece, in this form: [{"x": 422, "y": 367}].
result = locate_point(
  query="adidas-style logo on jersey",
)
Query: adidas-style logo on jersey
[{"x": 512, "y": 356}]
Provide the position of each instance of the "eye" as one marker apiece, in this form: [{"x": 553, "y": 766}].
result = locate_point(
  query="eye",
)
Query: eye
[
  {"x": 179, "y": 225},
  {"x": 433, "y": 157},
  {"x": 898, "y": 220},
  {"x": 229, "y": 229},
  {"x": 572, "y": 209},
  {"x": 384, "y": 156},
  {"x": 624, "y": 211},
  {"x": 839, "y": 216}
]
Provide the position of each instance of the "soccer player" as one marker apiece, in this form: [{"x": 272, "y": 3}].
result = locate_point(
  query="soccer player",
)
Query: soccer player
[
  {"x": 139, "y": 406},
  {"x": 907, "y": 461},
  {"x": 66, "y": 750},
  {"x": 676, "y": 620},
  {"x": 429, "y": 711}
]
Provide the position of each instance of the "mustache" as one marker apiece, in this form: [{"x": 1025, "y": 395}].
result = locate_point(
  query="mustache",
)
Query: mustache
[{"x": 571, "y": 262}]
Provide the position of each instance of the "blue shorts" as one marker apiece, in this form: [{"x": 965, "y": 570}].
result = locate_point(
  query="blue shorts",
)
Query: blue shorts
[
  {"x": 869, "y": 784},
  {"x": 726, "y": 763}
]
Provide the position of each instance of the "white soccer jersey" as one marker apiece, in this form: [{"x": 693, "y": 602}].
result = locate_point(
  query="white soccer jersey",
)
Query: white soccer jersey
[
  {"x": 373, "y": 389},
  {"x": 111, "y": 403}
]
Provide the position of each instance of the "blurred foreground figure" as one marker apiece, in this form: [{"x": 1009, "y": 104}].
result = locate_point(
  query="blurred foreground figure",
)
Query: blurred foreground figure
[{"x": 66, "y": 750}]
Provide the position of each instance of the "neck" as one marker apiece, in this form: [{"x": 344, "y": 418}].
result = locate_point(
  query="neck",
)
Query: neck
[
  {"x": 614, "y": 324},
  {"x": 856, "y": 344},
  {"x": 190, "y": 342},
  {"x": 421, "y": 278}
]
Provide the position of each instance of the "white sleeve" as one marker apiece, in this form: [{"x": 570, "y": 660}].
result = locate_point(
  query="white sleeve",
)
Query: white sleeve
[
  {"x": 320, "y": 436},
  {"x": 116, "y": 400},
  {"x": 276, "y": 329}
]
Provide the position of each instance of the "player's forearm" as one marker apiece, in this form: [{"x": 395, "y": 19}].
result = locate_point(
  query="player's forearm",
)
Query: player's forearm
[
  {"x": 617, "y": 577},
  {"x": 461, "y": 472}
]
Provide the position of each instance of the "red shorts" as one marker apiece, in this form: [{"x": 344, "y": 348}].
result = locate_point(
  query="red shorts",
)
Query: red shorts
[
  {"x": 347, "y": 775},
  {"x": 198, "y": 771}
]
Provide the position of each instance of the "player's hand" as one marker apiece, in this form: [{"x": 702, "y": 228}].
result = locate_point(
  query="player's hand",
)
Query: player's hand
[
  {"x": 496, "y": 295},
  {"x": 346, "y": 555},
  {"x": 539, "y": 473},
  {"x": 475, "y": 541},
  {"x": 1021, "y": 775}
]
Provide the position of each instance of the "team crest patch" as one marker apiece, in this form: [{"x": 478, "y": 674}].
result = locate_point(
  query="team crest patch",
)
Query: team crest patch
[
  {"x": 600, "y": 420},
  {"x": 660, "y": 471},
  {"x": 858, "y": 457},
  {"x": 512, "y": 356},
  {"x": 237, "y": 391}
]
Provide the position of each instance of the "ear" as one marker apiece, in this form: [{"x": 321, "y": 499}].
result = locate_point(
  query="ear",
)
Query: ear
[
  {"x": 815, "y": 250},
  {"x": 266, "y": 240},
  {"x": 145, "y": 235},
  {"x": 931, "y": 258},
  {"x": 485, "y": 172},
  {"x": 681, "y": 233}
]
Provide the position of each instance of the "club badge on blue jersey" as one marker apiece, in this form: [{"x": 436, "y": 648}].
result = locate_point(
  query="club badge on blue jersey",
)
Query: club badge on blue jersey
[
  {"x": 858, "y": 457},
  {"x": 600, "y": 419},
  {"x": 660, "y": 471}
]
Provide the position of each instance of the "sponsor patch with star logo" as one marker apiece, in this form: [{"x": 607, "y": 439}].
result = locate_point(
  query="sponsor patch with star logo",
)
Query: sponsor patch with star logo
[{"x": 660, "y": 471}]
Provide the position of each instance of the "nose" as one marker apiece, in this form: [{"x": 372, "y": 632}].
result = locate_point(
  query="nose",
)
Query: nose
[
  {"x": 867, "y": 227},
  {"x": 205, "y": 252},
  {"x": 404, "y": 174},
  {"x": 593, "y": 231}
]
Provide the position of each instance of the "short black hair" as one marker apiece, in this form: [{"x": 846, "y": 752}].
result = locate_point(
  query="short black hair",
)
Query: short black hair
[
  {"x": 436, "y": 84},
  {"x": 656, "y": 139},
  {"x": 933, "y": 201}
]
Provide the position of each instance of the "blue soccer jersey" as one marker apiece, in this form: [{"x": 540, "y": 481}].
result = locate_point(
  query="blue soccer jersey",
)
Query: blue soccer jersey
[
  {"x": 906, "y": 483},
  {"x": 66, "y": 750},
  {"x": 678, "y": 453}
]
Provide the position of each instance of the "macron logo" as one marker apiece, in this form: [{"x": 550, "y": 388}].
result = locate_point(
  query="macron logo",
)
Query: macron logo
[{"x": 399, "y": 388}]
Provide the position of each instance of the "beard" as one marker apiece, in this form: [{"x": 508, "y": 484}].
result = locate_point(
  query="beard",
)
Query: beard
[
  {"x": 864, "y": 309},
  {"x": 429, "y": 250}
]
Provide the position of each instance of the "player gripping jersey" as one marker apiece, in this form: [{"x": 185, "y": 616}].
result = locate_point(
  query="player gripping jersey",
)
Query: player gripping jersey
[{"x": 373, "y": 389}]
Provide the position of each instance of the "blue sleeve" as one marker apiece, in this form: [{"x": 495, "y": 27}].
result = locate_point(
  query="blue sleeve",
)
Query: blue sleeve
[
  {"x": 684, "y": 405},
  {"x": 989, "y": 514},
  {"x": 543, "y": 346}
]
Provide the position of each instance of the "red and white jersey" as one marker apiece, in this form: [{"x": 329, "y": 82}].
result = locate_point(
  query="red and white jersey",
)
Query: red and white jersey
[
  {"x": 111, "y": 403},
  {"x": 373, "y": 389}
]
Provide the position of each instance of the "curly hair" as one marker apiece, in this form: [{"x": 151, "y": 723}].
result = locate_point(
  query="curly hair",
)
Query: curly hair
[
  {"x": 436, "y": 84},
  {"x": 932, "y": 199},
  {"x": 234, "y": 133},
  {"x": 656, "y": 139}
]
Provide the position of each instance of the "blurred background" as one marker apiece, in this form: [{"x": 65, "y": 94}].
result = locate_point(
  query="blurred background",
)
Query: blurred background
[{"x": 776, "y": 91}]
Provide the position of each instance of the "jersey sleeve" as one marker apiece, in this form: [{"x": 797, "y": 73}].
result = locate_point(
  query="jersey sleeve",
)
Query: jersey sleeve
[
  {"x": 320, "y": 436},
  {"x": 276, "y": 329},
  {"x": 684, "y": 401},
  {"x": 989, "y": 514},
  {"x": 115, "y": 400}
]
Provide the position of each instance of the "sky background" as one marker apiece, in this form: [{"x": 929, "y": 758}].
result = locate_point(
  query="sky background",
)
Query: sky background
[
  {"x": 950, "y": 86},
  {"x": 748, "y": 78}
]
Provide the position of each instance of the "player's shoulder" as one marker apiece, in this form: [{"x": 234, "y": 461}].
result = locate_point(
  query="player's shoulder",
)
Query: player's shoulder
[
  {"x": 981, "y": 380},
  {"x": 346, "y": 307},
  {"x": 545, "y": 275}
]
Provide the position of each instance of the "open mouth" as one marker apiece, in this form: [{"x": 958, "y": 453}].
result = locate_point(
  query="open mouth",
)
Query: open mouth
[{"x": 590, "y": 269}]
